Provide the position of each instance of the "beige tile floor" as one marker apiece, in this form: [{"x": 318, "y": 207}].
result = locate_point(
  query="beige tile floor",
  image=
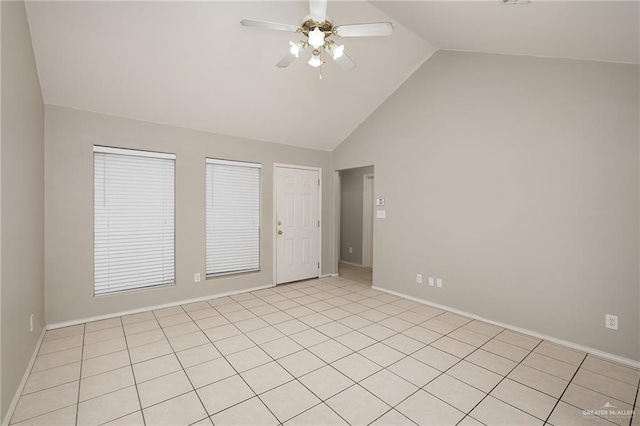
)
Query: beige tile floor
[
  {"x": 321, "y": 352},
  {"x": 356, "y": 273}
]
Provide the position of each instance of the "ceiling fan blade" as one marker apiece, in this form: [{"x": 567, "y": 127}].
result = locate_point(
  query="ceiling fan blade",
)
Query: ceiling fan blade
[
  {"x": 294, "y": 52},
  {"x": 342, "y": 59},
  {"x": 284, "y": 62},
  {"x": 364, "y": 30},
  {"x": 318, "y": 10},
  {"x": 270, "y": 25},
  {"x": 345, "y": 62}
]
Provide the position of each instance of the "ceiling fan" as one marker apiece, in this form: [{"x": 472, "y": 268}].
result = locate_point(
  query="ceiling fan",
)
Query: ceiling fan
[{"x": 319, "y": 31}]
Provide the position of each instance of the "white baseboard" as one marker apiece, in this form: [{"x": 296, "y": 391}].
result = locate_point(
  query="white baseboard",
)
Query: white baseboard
[
  {"x": 328, "y": 276},
  {"x": 23, "y": 382},
  {"x": 605, "y": 355},
  {"x": 151, "y": 308},
  {"x": 359, "y": 265}
]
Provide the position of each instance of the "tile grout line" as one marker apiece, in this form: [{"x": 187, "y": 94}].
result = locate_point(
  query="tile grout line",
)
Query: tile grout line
[
  {"x": 558, "y": 360},
  {"x": 405, "y": 355},
  {"x": 487, "y": 394},
  {"x": 393, "y": 409},
  {"x": 565, "y": 390},
  {"x": 173, "y": 352},
  {"x": 635, "y": 404},
  {"x": 594, "y": 390},
  {"x": 75, "y": 347},
  {"x": 542, "y": 371},
  {"x": 52, "y": 368},
  {"x": 84, "y": 332},
  {"x": 329, "y": 364},
  {"x": 53, "y": 339},
  {"x": 441, "y": 372},
  {"x": 445, "y": 371},
  {"x": 461, "y": 326},
  {"x": 537, "y": 369},
  {"x": 135, "y": 382},
  {"x": 60, "y": 350},
  {"x": 117, "y": 390},
  {"x": 326, "y": 364},
  {"x": 234, "y": 368}
]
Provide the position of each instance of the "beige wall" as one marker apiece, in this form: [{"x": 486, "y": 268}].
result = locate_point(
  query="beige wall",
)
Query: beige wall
[
  {"x": 69, "y": 138},
  {"x": 351, "y": 214},
  {"x": 2, "y": 409},
  {"x": 515, "y": 180},
  {"x": 22, "y": 189}
]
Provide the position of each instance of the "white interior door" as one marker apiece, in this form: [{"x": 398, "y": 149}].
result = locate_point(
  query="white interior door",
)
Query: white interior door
[
  {"x": 367, "y": 221},
  {"x": 297, "y": 224}
]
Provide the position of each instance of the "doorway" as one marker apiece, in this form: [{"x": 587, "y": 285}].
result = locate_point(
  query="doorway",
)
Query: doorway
[
  {"x": 367, "y": 220},
  {"x": 356, "y": 213},
  {"x": 297, "y": 231}
]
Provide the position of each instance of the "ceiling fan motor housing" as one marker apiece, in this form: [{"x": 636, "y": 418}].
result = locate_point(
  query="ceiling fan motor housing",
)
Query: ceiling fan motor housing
[{"x": 325, "y": 26}]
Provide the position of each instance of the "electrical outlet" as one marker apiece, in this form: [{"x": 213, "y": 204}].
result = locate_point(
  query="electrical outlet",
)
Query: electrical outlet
[
  {"x": 419, "y": 278},
  {"x": 611, "y": 321},
  {"x": 439, "y": 283},
  {"x": 350, "y": 249},
  {"x": 31, "y": 322},
  {"x": 196, "y": 277},
  {"x": 430, "y": 281}
]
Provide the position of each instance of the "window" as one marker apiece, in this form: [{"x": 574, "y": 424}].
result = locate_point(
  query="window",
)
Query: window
[
  {"x": 134, "y": 213},
  {"x": 233, "y": 217}
]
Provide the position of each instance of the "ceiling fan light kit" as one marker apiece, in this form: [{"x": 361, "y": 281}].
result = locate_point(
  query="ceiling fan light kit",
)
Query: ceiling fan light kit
[
  {"x": 318, "y": 29},
  {"x": 316, "y": 37},
  {"x": 336, "y": 51},
  {"x": 297, "y": 48},
  {"x": 315, "y": 60}
]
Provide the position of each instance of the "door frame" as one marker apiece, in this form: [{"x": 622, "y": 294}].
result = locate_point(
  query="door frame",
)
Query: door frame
[
  {"x": 337, "y": 209},
  {"x": 275, "y": 213},
  {"x": 367, "y": 219}
]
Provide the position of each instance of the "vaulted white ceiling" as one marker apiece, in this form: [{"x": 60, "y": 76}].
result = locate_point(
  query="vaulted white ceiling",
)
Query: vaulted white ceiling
[
  {"x": 192, "y": 64},
  {"x": 601, "y": 30}
]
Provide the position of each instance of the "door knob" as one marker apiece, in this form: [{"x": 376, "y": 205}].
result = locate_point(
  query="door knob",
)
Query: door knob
[{"x": 279, "y": 232}]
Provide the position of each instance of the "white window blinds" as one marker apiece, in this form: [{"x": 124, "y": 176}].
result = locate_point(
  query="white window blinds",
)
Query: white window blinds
[
  {"x": 134, "y": 213},
  {"x": 233, "y": 217}
]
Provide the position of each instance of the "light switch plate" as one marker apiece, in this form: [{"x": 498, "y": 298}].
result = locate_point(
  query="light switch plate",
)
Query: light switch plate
[{"x": 381, "y": 214}]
